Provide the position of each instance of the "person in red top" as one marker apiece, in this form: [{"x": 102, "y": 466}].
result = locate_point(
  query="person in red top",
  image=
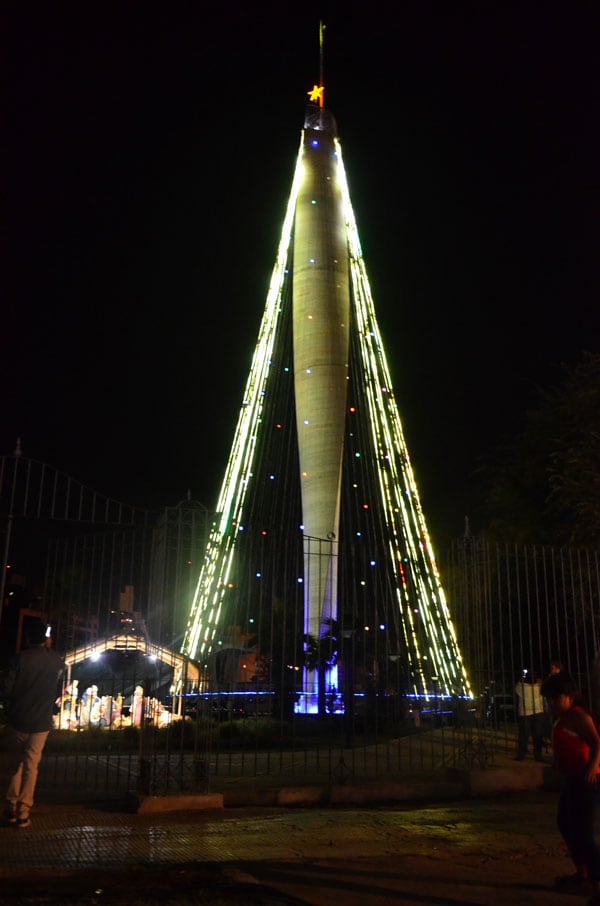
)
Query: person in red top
[{"x": 576, "y": 748}]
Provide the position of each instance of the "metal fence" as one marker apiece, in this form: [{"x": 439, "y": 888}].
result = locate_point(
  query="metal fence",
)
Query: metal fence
[
  {"x": 135, "y": 722},
  {"x": 520, "y": 608}
]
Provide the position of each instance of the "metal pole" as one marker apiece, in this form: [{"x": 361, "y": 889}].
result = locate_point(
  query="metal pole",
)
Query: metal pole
[{"x": 9, "y": 523}]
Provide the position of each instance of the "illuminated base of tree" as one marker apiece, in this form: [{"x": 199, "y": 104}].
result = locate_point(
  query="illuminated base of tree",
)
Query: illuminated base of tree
[{"x": 309, "y": 700}]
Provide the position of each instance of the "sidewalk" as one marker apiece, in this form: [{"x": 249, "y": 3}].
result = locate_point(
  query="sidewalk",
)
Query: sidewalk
[{"x": 485, "y": 850}]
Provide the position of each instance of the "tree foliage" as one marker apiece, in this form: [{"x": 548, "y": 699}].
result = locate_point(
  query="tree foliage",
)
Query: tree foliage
[{"x": 543, "y": 486}]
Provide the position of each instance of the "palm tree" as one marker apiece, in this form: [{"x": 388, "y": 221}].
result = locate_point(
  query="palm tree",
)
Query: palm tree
[{"x": 321, "y": 654}]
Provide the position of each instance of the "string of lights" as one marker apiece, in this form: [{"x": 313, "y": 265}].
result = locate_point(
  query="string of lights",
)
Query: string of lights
[
  {"x": 389, "y": 588},
  {"x": 215, "y": 573},
  {"x": 408, "y": 539}
]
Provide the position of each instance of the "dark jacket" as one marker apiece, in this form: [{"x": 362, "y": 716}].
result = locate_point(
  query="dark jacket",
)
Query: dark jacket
[{"x": 32, "y": 688}]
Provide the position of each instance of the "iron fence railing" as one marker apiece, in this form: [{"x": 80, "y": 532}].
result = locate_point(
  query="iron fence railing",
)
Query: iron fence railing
[{"x": 130, "y": 723}]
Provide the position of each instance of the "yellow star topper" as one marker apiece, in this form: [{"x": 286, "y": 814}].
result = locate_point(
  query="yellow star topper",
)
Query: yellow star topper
[{"x": 316, "y": 94}]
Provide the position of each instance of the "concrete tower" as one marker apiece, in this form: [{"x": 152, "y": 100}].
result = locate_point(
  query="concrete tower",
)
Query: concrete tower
[{"x": 321, "y": 317}]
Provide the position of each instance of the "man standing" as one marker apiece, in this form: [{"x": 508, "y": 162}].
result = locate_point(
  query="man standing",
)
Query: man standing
[
  {"x": 531, "y": 716},
  {"x": 31, "y": 691}
]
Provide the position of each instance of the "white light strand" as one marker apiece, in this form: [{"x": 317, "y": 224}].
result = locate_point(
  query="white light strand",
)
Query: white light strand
[
  {"x": 387, "y": 434},
  {"x": 214, "y": 575}
]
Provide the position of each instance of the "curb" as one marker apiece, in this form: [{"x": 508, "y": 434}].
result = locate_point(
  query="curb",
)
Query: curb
[{"x": 458, "y": 784}]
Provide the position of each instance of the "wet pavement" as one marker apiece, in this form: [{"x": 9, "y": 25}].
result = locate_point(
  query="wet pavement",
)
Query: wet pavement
[{"x": 495, "y": 850}]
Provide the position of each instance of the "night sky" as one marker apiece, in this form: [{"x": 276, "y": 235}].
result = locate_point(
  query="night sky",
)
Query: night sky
[{"x": 148, "y": 156}]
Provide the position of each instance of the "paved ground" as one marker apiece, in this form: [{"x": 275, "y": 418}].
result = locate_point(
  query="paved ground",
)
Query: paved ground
[{"x": 486, "y": 851}]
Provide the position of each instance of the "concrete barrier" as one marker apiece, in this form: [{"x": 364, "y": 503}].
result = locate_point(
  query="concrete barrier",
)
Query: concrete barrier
[
  {"x": 457, "y": 783},
  {"x": 150, "y": 805}
]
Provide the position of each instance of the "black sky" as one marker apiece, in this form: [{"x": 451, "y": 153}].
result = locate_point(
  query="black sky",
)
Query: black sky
[{"x": 148, "y": 157}]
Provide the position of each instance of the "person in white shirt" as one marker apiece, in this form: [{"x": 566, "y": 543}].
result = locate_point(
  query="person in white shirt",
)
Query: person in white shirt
[{"x": 530, "y": 716}]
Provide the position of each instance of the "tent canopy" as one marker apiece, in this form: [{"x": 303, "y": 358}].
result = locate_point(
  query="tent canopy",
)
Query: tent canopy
[{"x": 184, "y": 670}]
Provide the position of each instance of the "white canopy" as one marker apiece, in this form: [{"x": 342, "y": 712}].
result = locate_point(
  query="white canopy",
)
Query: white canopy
[{"x": 184, "y": 671}]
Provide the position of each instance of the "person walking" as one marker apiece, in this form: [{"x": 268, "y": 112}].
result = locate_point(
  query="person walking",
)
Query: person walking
[
  {"x": 530, "y": 716},
  {"x": 576, "y": 747},
  {"x": 32, "y": 686}
]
